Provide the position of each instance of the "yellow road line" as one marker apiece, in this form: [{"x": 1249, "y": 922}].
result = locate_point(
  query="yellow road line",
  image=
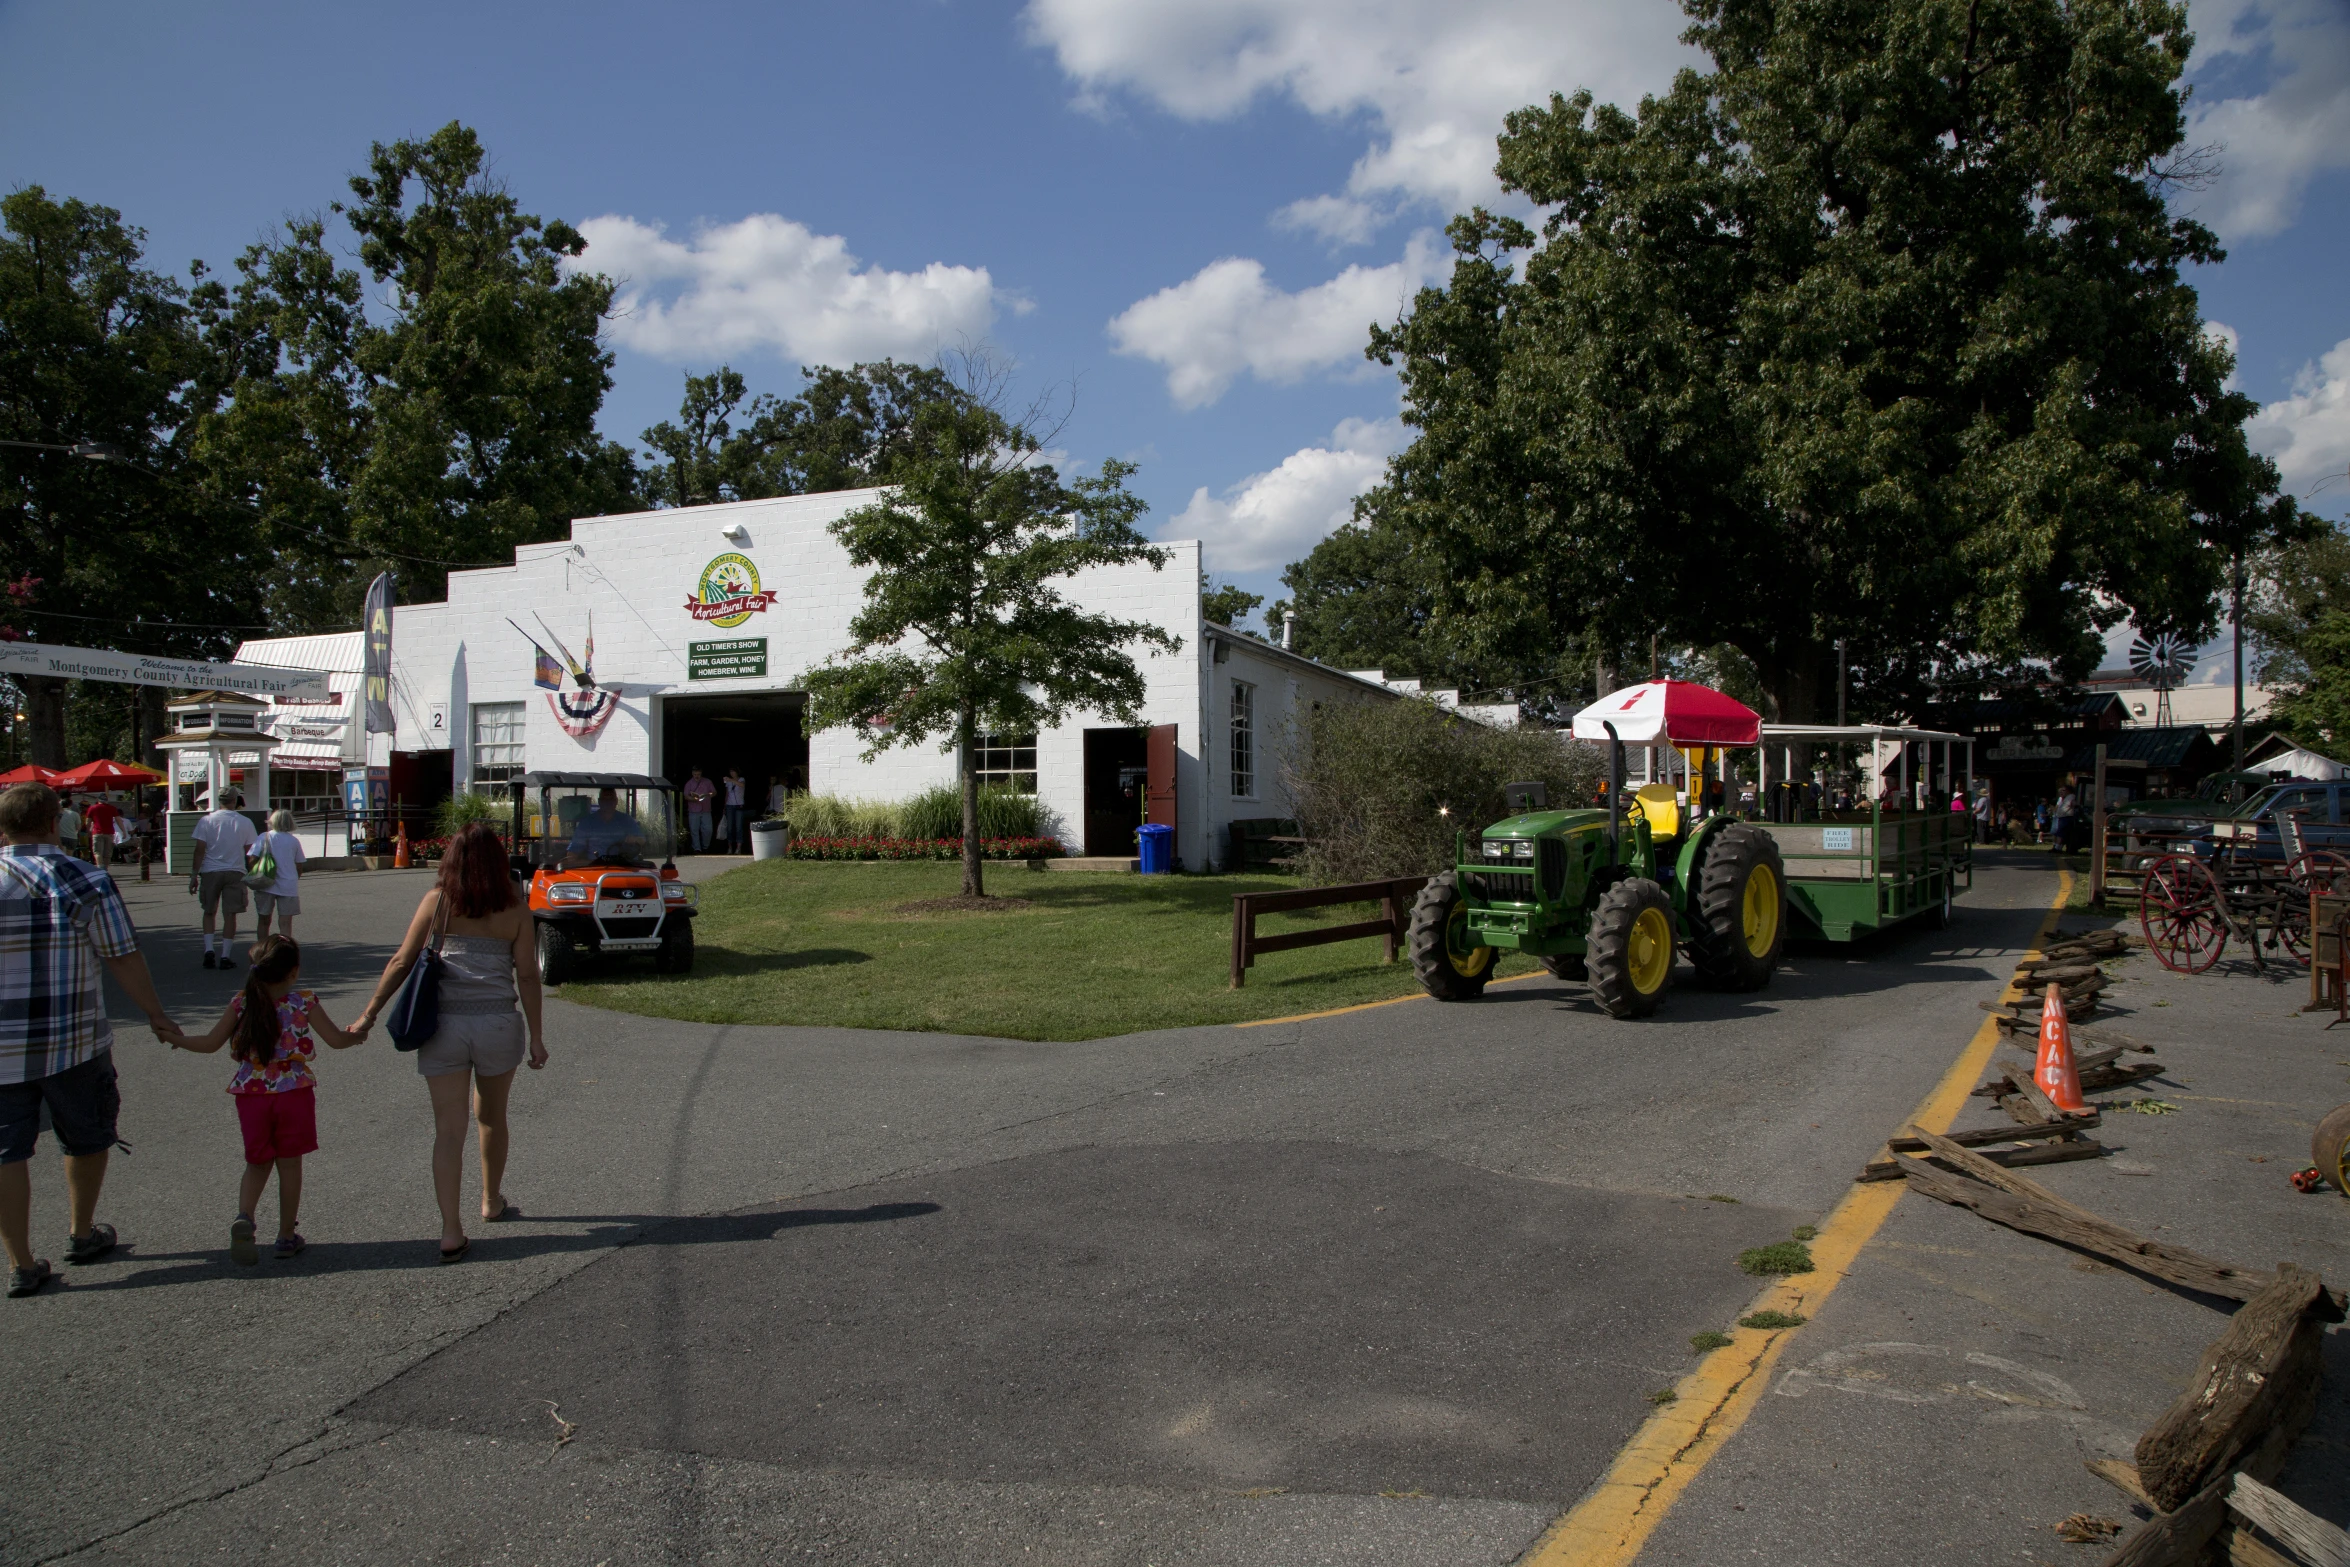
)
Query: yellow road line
[
  {"x": 1615, "y": 1518},
  {"x": 1365, "y": 1006}
]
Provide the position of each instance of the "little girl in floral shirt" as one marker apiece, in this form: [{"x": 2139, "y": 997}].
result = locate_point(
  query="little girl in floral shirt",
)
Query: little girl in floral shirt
[{"x": 268, "y": 1027}]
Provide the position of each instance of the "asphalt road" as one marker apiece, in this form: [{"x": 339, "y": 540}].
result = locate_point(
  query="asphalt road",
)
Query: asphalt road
[{"x": 1392, "y": 1286}]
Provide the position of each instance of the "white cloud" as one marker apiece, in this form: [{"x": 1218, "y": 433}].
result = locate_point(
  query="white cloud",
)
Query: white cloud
[
  {"x": 2308, "y": 433},
  {"x": 765, "y": 282},
  {"x": 2272, "y": 143},
  {"x": 1225, "y": 319},
  {"x": 1434, "y": 77},
  {"x": 1270, "y": 519}
]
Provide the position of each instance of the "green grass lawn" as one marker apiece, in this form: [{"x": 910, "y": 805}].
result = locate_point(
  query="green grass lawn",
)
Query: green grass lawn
[{"x": 811, "y": 942}]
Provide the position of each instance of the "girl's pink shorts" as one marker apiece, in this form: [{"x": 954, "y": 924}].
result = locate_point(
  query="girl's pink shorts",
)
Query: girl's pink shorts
[{"x": 278, "y": 1126}]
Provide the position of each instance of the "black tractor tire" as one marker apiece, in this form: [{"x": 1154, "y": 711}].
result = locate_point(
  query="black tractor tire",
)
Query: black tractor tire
[
  {"x": 1567, "y": 965},
  {"x": 1631, "y": 956},
  {"x": 558, "y": 960},
  {"x": 1446, "y": 970},
  {"x": 1738, "y": 924},
  {"x": 675, "y": 955}
]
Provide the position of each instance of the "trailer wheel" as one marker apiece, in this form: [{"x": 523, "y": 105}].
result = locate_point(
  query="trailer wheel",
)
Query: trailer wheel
[
  {"x": 1449, "y": 966},
  {"x": 675, "y": 955},
  {"x": 2329, "y": 1150},
  {"x": 1740, "y": 921},
  {"x": 1631, "y": 956},
  {"x": 556, "y": 961}
]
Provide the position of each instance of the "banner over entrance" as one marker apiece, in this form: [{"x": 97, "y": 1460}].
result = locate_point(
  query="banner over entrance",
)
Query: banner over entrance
[
  {"x": 147, "y": 669},
  {"x": 375, "y": 666}
]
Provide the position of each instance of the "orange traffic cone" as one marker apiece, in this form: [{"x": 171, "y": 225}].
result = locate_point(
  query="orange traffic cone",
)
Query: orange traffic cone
[
  {"x": 400, "y": 862},
  {"x": 2054, "y": 1071}
]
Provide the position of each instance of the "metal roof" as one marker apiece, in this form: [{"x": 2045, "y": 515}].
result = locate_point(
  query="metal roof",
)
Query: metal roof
[
  {"x": 595, "y": 781},
  {"x": 1852, "y": 734}
]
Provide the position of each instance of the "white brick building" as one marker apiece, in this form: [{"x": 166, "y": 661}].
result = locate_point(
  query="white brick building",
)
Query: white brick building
[{"x": 693, "y": 690}]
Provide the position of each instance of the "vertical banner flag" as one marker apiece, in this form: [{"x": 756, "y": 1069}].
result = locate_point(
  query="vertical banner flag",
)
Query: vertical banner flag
[{"x": 376, "y": 658}]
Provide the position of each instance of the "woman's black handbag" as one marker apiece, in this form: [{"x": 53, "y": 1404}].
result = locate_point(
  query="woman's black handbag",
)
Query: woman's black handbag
[{"x": 415, "y": 1014}]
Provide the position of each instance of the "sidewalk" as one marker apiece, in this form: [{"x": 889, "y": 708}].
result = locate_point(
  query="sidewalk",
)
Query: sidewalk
[{"x": 1940, "y": 1405}]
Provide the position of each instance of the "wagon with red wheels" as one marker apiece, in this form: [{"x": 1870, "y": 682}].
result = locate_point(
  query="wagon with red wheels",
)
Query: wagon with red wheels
[{"x": 2189, "y": 904}]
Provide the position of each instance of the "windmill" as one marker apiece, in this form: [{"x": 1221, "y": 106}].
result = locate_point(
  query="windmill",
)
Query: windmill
[{"x": 2163, "y": 661}]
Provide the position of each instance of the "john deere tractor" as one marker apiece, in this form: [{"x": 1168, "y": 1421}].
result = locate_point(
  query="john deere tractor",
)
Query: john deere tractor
[{"x": 1606, "y": 896}]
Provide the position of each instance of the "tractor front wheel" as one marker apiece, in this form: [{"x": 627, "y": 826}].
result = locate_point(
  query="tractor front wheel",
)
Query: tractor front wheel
[
  {"x": 555, "y": 955},
  {"x": 1451, "y": 966},
  {"x": 1740, "y": 920},
  {"x": 1631, "y": 957}
]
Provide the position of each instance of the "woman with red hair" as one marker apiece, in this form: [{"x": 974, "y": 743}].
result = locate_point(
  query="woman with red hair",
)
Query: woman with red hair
[{"x": 483, "y": 929}]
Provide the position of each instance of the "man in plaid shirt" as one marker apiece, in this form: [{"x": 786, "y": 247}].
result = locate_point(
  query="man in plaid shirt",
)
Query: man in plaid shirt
[{"x": 59, "y": 919}]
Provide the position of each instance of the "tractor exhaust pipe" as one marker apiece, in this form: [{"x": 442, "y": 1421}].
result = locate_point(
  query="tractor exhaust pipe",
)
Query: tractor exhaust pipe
[{"x": 1615, "y": 795}]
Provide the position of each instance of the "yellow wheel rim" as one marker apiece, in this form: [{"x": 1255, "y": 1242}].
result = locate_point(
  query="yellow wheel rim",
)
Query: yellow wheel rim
[
  {"x": 1759, "y": 911},
  {"x": 1652, "y": 951},
  {"x": 1468, "y": 962}
]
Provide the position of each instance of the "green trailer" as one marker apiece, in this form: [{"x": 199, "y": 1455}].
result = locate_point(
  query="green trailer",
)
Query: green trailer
[{"x": 1903, "y": 856}]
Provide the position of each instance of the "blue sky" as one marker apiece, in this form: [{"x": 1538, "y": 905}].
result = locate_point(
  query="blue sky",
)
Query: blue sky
[{"x": 1189, "y": 209}]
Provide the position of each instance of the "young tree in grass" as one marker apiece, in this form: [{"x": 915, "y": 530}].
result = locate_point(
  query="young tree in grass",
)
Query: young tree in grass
[{"x": 963, "y": 631}]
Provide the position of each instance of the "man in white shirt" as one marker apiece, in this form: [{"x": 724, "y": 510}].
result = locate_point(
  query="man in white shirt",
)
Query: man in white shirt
[
  {"x": 69, "y": 827},
  {"x": 218, "y": 880}
]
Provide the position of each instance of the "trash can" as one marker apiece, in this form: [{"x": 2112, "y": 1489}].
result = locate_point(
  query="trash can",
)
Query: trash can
[
  {"x": 770, "y": 839},
  {"x": 1158, "y": 849}
]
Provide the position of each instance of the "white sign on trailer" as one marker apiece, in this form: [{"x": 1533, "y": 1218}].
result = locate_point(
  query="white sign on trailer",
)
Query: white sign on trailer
[{"x": 147, "y": 669}]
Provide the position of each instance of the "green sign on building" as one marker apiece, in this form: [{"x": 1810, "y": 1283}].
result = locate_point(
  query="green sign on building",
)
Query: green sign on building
[{"x": 726, "y": 660}]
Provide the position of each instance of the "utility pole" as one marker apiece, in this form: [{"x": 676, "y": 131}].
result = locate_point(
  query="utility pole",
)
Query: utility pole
[
  {"x": 1839, "y": 682},
  {"x": 2236, "y": 627}
]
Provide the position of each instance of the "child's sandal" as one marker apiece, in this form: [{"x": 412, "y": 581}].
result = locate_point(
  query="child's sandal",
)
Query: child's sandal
[
  {"x": 240, "y": 1242},
  {"x": 291, "y": 1246}
]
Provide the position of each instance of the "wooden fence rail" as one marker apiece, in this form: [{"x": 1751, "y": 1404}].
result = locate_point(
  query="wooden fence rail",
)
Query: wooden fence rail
[{"x": 1394, "y": 897}]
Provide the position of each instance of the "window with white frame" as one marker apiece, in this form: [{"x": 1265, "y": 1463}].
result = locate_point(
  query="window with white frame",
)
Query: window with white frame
[
  {"x": 1005, "y": 762},
  {"x": 1244, "y": 739},
  {"x": 497, "y": 744}
]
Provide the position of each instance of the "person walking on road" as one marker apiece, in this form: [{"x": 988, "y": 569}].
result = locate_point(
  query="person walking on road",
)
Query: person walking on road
[
  {"x": 218, "y": 881},
  {"x": 698, "y": 791},
  {"x": 737, "y": 836},
  {"x": 282, "y": 898},
  {"x": 59, "y": 920},
  {"x": 102, "y": 819},
  {"x": 69, "y": 827},
  {"x": 271, "y": 1022},
  {"x": 489, "y": 965}
]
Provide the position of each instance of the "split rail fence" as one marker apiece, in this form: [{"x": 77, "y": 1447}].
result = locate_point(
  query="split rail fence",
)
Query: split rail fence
[{"x": 1394, "y": 897}]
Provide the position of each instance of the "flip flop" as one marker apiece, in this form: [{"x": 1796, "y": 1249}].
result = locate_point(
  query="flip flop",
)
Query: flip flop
[
  {"x": 505, "y": 1215},
  {"x": 458, "y": 1255}
]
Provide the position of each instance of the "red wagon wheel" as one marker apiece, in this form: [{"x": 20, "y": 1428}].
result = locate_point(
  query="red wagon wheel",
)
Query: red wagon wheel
[
  {"x": 2179, "y": 910},
  {"x": 2317, "y": 872}
]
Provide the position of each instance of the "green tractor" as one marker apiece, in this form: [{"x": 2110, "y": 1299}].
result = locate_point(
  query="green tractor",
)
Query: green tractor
[{"x": 1608, "y": 896}]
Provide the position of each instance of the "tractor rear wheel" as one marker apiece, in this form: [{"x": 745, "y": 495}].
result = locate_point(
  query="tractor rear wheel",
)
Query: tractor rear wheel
[
  {"x": 1631, "y": 957},
  {"x": 1739, "y": 920},
  {"x": 1450, "y": 966}
]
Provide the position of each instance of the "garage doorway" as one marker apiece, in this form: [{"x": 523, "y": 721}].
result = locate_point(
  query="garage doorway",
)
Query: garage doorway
[
  {"x": 1117, "y": 773},
  {"x": 759, "y": 733}
]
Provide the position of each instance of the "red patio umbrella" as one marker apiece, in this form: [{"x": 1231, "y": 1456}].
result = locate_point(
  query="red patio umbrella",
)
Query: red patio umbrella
[
  {"x": 31, "y": 772},
  {"x": 1676, "y": 712},
  {"x": 106, "y": 774}
]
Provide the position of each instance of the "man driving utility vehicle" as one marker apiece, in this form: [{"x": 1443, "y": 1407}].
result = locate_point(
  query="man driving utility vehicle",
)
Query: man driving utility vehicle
[{"x": 606, "y": 835}]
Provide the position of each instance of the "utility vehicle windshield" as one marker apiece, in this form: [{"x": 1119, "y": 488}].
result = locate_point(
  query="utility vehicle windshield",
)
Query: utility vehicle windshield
[{"x": 579, "y": 825}]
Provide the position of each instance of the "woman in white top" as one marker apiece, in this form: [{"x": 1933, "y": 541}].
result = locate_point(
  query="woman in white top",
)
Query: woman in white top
[{"x": 282, "y": 897}]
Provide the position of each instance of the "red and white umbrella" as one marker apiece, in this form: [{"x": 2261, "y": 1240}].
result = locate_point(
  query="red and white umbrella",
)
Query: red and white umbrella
[
  {"x": 1671, "y": 712},
  {"x": 30, "y": 772},
  {"x": 108, "y": 774}
]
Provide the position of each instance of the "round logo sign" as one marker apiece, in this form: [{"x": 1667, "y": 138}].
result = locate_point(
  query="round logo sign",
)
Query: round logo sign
[{"x": 729, "y": 593}]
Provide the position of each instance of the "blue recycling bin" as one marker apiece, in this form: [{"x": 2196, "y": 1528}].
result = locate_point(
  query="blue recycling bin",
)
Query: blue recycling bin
[{"x": 1158, "y": 848}]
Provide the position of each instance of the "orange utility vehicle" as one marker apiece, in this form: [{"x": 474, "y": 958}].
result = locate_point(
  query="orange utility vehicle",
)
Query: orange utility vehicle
[{"x": 597, "y": 851}]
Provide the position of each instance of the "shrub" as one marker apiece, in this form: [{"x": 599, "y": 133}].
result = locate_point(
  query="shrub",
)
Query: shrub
[
  {"x": 1003, "y": 813},
  {"x": 831, "y": 816},
  {"x": 462, "y": 809},
  {"x": 896, "y": 848},
  {"x": 1381, "y": 788}
]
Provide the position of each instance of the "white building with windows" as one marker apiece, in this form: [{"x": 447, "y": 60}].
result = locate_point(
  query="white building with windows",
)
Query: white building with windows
[{"x": 702, "y": 621}]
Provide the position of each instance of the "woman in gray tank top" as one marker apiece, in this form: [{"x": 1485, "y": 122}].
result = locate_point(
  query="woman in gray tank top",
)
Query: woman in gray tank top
[{"x": 488, "y": 971}]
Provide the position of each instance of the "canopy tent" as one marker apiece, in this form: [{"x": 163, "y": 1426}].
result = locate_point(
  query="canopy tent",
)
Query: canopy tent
[
  {"x": 31, "y": 772},
  {"x": 107, "y": 774},
  {"x": 1670, "y": 712}
]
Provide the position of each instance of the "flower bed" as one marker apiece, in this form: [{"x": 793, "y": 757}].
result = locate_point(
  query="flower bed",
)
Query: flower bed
[{"x": 922, "y": 848}]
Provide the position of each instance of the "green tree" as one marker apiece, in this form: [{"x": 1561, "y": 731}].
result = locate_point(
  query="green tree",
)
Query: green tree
[
  {"x": 2301, "y": 619},
  {"x": 963, "y": 631},
  {"x": 1362, "y": 602},
  {"x": 1229, "y": 605},
  {"x": 100, "y": 353},
  {"x": 1876, "y": 329},
  {"x": 456, "y": 427},
  {"x": 845, "y": 431}
]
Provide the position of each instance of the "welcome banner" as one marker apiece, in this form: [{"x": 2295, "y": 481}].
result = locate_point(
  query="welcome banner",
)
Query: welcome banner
[{"x": 147, "y": 669}]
